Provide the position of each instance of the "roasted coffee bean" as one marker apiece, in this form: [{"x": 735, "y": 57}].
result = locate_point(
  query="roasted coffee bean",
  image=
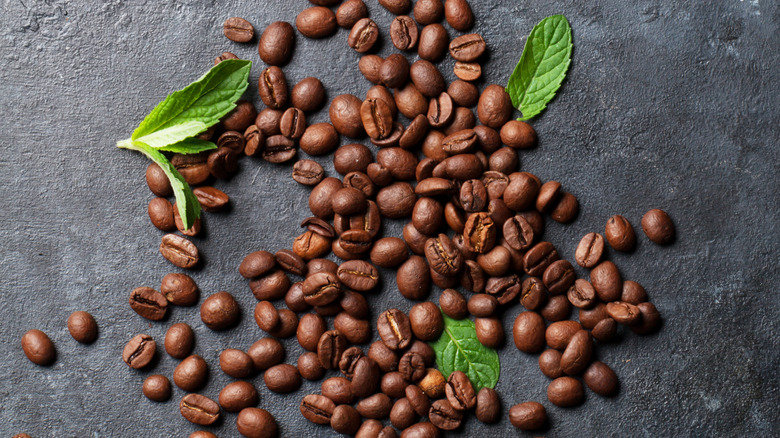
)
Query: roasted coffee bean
[
  {"x": 330, "y": 347},
  {"x": 290, "y": 262},
  {"x": 427, "y": 78},
  {"x": 403, "y": 415},
  {"x": 393, "y": 139},
  {"x": 354, "y": 304},
  {"x": 293, "y": 123},
  {"x": 233, "y": 140},
  {"x": 272, "y": 286},
  {"x": 426, "y": 321},
  {"x": 320, "y": 197},
  {"x": 179, "y": 340},
  {"x": 345, "y": 419},
  {"x": 237, "y": 396},
  {"x": 148, "y": 303},
  {"x": 397, "y": 7},
  {"x": 521, "y": 192},
  {"x": 199, "y": 409},
  {"x": 650, "y": 319},
  {"x": 211, "y": 199},
  {"x": 265, "y": 353},
  {"x": 396, "y": 201},
  {"x": 157, "y": 388},
  {"x": 82, "y": 327},
  {"x": 179, "y": 251},
  {"x": 528, "y": 416},
  {"x": 370, "y": 66},
  {"x": 433, "y": 42},
  {"x": 414, "y": 133},
  {"x": 421, "y": 430},
  {"x": 559, "y": 334},
  {"x": 350, "y": 12},
  {"x": 311, "y": 245},
  {"x": 428, "y": 12},
  {"x": 365, "y": 378},
  {"x": 242, "y": 116},
  {"x": 192, "y": 167},
  {"x": 443, "y": 281},
  {"x": 464, "y": 94},
  {"x": 321, "y": 289},
  {"x": 393, "y": 384},
  {"x": 279, "y": 149},
  {"x": 539, "y": 257},
  {"x": 528, "y": 332},
  {"x": 549, "y": 194},
  {"x": 138, "y": 352},
  {"x": 317, "y": 408},
  {"x": 601, "y": 379},
  {"x": 417, "y": 400},
  {"x": 460, "y": 142},
  {"x": 590, "y": 317},
  {"x": 435, "y": 187},
  {"x": 385, "y": 358},
  {"x": 394, "y": 329},
  {"x": 559, "y": 277},
  {"x": 272, "y": 87},
  {"x": 161, "y": 214},
  {"x": 495, "y": 182},
  {"x": 404, "y": 33},
  {"x": 495, "y": 107},
  {"x": 348, "y": 201},
  {"x": 39, "y": 348},
  {"x": 277, "y": 43},
  {"x": 454, "y": 216},
  {"x": 518, "y": 135},
  {"x": 453, "y": 304},
  {"x": 191, "y": 374},
  {"x": 633, "y": 293},
  {"x": 255, "y": 141},
  {"x": 220, "y": 311},
  {"x": 349, "y": 360},
  {"x": 358, "y": 275},
  {"x": 461, "y": 167},
  {"x": 352, "y": 158},
  {"x": 266, "y": 316},
  {"x": 282, "y": 378},
  {"x": 467, "y": 71},
  {"x": 620, "y": 234},
  {"x": 472, "y": 277},
  {"x": 360, "y": 181},
  {"x": 467, "y": 48},
  {"x": 157, "y": 181},
  {"x": 624, "y": 313},
  {"x": 316, "y": 22},
  {"x": 377, "y": 118},
  {"x": 441, "y": 112},
  {"x": 433, "y": 383},
  {"x": 500, "y": 213},
  {"x": 357, "y": 331},
  {"x": 375, "y": 407},
  {"x": 578, "y": 353},
  {"x": 480, "y": 233},
  {"x": 503, "y": 160},
  {"x": 410, "y": 102},
  {"x": 460, "y": 393},
  {"x": 345, "y": 115},
  {"x": 389, "y": 252},
  {"x": 268, "y": 122},
  {"x": 658, "y": 227},
  {"x": 518, "y": 233},
  {"x": 400, "y": 162},
  {"x": 309, "y": 366},
  {"x": 533, "y": 293},
  {"x": 363, "y": 35},
  {"x": 482, "y": 305},
  {"x": 589, "y": 250},
  {"x": 488, "y": 406},
  {"x": 606, "y": 279},
  {"x": 582, "y": 295},
  {"x": 288, "y": 324},
  {"x": 238, "y": 30},
  {"x": 565, "y": 392},
  {"x": 443, "y": 256},
  {"x": 490, "y": 332},
  {"x": 605, "y": 330},
  {"x": 194, "y": 229},
  {"x": 222, "y": 57},
  {"x": 322, "y": 265},
  {"x": 550, "y": 363},
  {"x": 458, "y": 14},
  {"x": 444, "y": 416},
  {"x": 310, "y": 330},
  {"x": 567, "y": 209},
  {"x": 308, "y": 95}
]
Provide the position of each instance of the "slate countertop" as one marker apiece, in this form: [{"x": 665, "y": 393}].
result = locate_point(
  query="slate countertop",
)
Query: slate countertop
[{"x": 669, "y": 106}]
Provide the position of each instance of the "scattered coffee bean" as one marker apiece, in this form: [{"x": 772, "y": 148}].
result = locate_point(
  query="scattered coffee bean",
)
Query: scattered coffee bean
[
  {"x": 238, "y": 30},
  {"x": 199, "y": 409},
  {"x": 458, "y": 14},
  {"x": 444, "y": 416},
  {"x": 282, "y": 378},
  {"x": 601, "y": 379},
  {"x": 191, "y": 374},
  {"x": 277, "y": 43},
  {"x": 148, "y": 303},
  {"x": 236, "y": 363},
  {"x": 82, "y": 327},
  {"x": 565, "y": 392},
  {"x": 363, "y": 35},
  {"x": 220, "y": 311},
  {"x": 266, "y": 353},
  {"x": 620, "y": 234},
  {"x": 658, "y": 227},
  {"x": 350, "y": 12},
  {"x": 528, "y": 416},
  {"x": 236, "y": 396},
  {"x": 157, "y": 388},
  {"x": 589, "y": 250},
  {"x": 39, "y": 348},
  {"x": 179, "y": 340},
  {"x": 394, "y": 329},
  {"x": 179, "y": 251},
  {"x": 316, "y": 22},
  {"x": 137, "y": 354}
]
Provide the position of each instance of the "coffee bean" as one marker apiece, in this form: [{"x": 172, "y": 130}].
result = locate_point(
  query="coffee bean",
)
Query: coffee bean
[
  {"x": 467, "y": 71},
  {"x": 279, "y": 149},
  {"x": 316, "y": 22},
  {"x": 394, "y": 72},
  {"x": 266, "y": 353},
  {"x": 556, "y": 309},
  {"x": 375, "y": 407},
  {"x": 192, "y": 167},
  {"x": 157, "y": 181},
  {"x": 394, "y": 329},
  {"x": 137, "y": 354},
  {"x": 363, "y": 35},
  {"x": 460, "y": 393},
  {"x": 359, "y": 179},
  {"x": 402, "y": 415},
  {"x": 426, "y": 321},
  {"x": 397, "y": 7},
  {"x": 633, "y": 293},
  {"x": 549, "y": 194},
  {"x": 236, "y": 363},
  {"x": 620, "y": 234},
  {"x": 345, "y": 419},
  {"x": 559, "y": 277},
  {"x": 624, "y": 313},
  {"x": 441, "y": 112},
  {"x": 393, "y": 384},
  {"x": 161, "y": 214},
  {"x": 317, "y": 408},
  {"x": 606, "y": 279},
  {"x": 428, "y": 12},
  {"x": 224, "y": 56},
  {"x": 148, "y": 303},
  {"x": 238, "y": 30},
  {"x": 461, "y": 167},
  {"x": 464, "y": 94},
  {"x": 539, "y": 257},
  {"x": 272, "y": 286},
  {"x": 272, "y": 87},
  {"x": 330, "y": 347},
  {"x": 349, "y": 360},
  {"x": 444, "y": 416},
  {"x": 528, "y": 332},
  {"x": 559, "y": 334},
  {"x": 533, "y": 293},
  {"x": 589, "y": 250},
  {"x": 567, "y": 209},
  {"x": 413, "y": 278},
  {"x": 194, "y": 229},
  {"x": 358, "y": 275},
  {"x": 376, "y": 117},
  {"x": 503, "y": 160},
  {"x": 410, "y": 102},
  {"x": 482, "y": 305},
  {"x": 518, "y": 135},
  {"x": 565, "y": 392},
  {"x": 578, "y": 353},
  {"x": 82, "y": 327},
  {"x": 590, "y": 317},
  {"x": 309, "y": 366},
  {"x": 396, "y": 201},
  {"x": 495, "y": 107},
  {"x": 458, "y": 14},
  {"x": 421, "y": 430},
  {"x": 350, "y": 12},
  {"x": 39, "y": 348},
  {"x": 255, "y": 143},
  {"x": 443, "y": 256},
  {"x": 453, "y": 304},
  {"x": 310, "y": 329},
  {"x": 467, "y": 48},
  {"x": 404, "y": 33},
  {"x": 370, "y": 66},
  {"x": 488, "y": 406},
  {"x": 211, "y": 199},
  {"x": 288, "y": 324},
  {"x": 389, "y": 252},
  {"x": 550, "y": 363},
  {"x": 605, "y": 330},
  {"x": 528, "y": 416},
  {"x": 282, "y": 378},
  {"x": 352, "y": 158},
  {"x": 290, "y": 262},
  {"x": 400, "y": 162},
  {"x": 308, "y": 95},
  {"x": 658, "y": 226},
  {"x": 433, "y": 383},
  {"x": 191, "y": 374},
  {"x": 157, "y": 388},
  {"x": 277, "y": 43},
  {"x": 479, "y": 233},
  {"x": 460, "y": 142},
  {"x": 490, "y": 332},
  {"x": 365, "y": 378},
  {"x": 199, "y": 409},
  {"x": 338, "y": 389},
  {"x": 311, "y": 245},
  {"x": 179, "y": 340},
  {"x": 220, "y": 311},
  {"x": 650, "y": 319},
  {"x": 393, "y": 139},
  {"x": 293, "y": 123},
  {"x": 267, "y": 122},
  {"x": 345, "y": 115},
  {"x": 237, "y": 396},
  {"x": 427, "y": 78},
  {"x": 179, "y": 251},
  {"x": 357, "y": 331},
  {"x": 601, "y": 379},
  {"x": 582, "y": 295}
]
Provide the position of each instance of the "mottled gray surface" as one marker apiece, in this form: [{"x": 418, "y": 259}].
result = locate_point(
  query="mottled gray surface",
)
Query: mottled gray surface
[{"x": 668, "y": 104}]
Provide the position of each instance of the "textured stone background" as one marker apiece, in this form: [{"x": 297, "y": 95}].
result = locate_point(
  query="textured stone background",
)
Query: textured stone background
[{"x": 670, "y": 105}]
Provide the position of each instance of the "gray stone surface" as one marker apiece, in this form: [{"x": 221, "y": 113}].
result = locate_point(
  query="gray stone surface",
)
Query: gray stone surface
[{"x": 668, "y": 104}]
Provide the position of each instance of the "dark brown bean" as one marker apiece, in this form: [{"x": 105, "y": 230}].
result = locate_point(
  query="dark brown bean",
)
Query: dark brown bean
[
  {"x": 444, "y": 416},
  {"x": 316, "y": 22},
  {"x": 426, "y": 321},
  {"x": 39, "y": 348},
  {"x": 620, "y": 234},
  {"x": 550, "y": 363},
  {"x": 458, "y": 14},
  {"x": 317, "y": 408},
  {"x": 345, "y": 115},
  {"x": 179, "y": 340},
  {"x": 578, "y": 353},
  {"x": 565, "y": 392},
  {"x": 363, "y": 35},
  {"x": 199, "y": 409},
  {"x": 528, "y": 332},
  {"x": 558, "y": 334},
  {"x": 495, "y": 107},
  {"x": 238, "y": 30},
  {"x": 375, "y": 407},
  {"x": 157, "y": 181},
  {"x": 433, "y": 42},
  {"x": 606, "y": 279},
  {"x": 589, "y": 250},
  {"x": 220, "y": 311},
  {"x": 277, "y": 43},
  {"x": 236, "y": 396},
  {"x": 179, "y": 251},
  {"x": 282, "y": 378},
  {"x": 148, "y": 303},
  {"x": 528, "y": 416},
  {"x": 658, "y": 227},
  {"x": 404, "y": 33},
  {"x": 191, "y": 374},
  {"x": 567, "y": 209},
  {"x": 266, "y": 353},
  {"x": 350, "y": 12},
  {"x": 82, "y": 327},
  {"x": 394, "y": 329},
  {"x": 427, "y": 78},
  {"x": 582, "y": 295},
  {"x": 157, "y": 388},
  {"x": 236, "y": 363}
]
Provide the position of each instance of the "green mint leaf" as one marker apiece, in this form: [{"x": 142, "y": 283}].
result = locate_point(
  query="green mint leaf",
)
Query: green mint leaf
[
  {"x": 186, "y": 201},
  {"x": 192, "y": 110},
  {"x": 189, "y": 146},
  {"x": 458, "y": 349},
  {"x": 542, "y": 67}
]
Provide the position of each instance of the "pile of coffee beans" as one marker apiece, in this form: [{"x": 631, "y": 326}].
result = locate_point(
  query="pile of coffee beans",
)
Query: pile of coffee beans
[{"x": 474, "y": 224}]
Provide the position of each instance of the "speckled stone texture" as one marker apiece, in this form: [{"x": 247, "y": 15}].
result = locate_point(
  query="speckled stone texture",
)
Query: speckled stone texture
[{"x": 668, "y": 105}]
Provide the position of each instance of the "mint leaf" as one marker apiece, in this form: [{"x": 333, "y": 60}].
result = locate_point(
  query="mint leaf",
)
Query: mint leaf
[
  {"x": 186, "y": 201},
  {"x": 192, "y": 110},
  {"x": 189, "y": 146},
  {"x": 542, "y": 67},
  {"x": 459, "y": 349}
]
